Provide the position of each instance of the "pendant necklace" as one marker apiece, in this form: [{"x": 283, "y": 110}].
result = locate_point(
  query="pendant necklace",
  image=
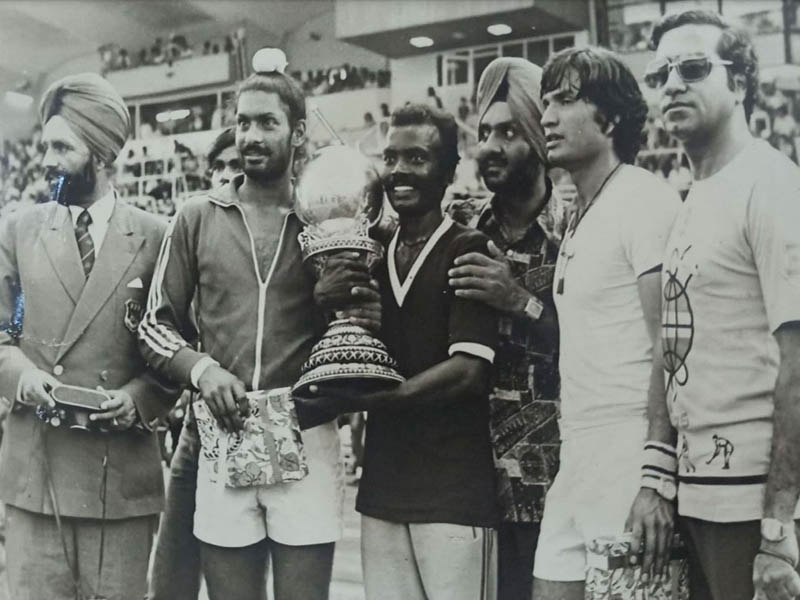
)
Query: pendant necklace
[{"x": 566, "y": 253}]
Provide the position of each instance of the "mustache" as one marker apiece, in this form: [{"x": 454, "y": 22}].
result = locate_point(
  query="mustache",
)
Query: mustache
[
  {"x": 494, "y": 157},
  {"x": 403, "y": 179},
  {"x": 254, "y": 149},
  {"x": 51, "y": 173}
]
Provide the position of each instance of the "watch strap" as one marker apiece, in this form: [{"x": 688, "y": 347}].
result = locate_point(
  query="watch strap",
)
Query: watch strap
[{"x": 534, "y": 308}]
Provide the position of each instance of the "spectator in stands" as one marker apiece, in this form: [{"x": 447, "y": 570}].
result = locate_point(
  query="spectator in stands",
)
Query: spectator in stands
[
  {"x": 124, "y": 59},
  {"x": 196, "y": 121},
  {"x": 463, "y": 108},
  {"x": 433, "y": 99}
]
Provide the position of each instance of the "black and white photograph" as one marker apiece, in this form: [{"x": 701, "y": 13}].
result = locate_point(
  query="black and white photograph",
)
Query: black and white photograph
[{"x": 399, "y": 299}]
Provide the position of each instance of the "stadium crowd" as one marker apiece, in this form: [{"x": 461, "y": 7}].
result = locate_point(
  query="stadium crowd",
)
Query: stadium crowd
[
  {"x": 166, "y": 51},
  {"x": 342, "y": 78}
]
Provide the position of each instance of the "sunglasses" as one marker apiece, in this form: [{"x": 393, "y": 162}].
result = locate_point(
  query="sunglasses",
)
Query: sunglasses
[{"x": 690, "y": 69}]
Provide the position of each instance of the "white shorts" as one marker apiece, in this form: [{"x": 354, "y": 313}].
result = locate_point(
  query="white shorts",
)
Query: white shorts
[
  {"x": 591, "y": 497},
  {"x": 296, "y": 514}
]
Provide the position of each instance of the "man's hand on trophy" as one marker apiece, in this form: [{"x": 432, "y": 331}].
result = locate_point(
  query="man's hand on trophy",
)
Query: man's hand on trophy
[
  {"x": 342, "y": 273},
  {"x": 34, "y": 387},
  {"x": 225, "y": 396},
  {"x": 345, "y": 286},
  {"x": 366, "y": 310},
  {"x": 119, "y": 410}
]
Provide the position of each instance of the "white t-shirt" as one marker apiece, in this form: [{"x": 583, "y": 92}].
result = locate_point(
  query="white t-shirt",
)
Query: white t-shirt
[
  {"x": 731, "y": 277},
  {"x": 606, "y": 353}
]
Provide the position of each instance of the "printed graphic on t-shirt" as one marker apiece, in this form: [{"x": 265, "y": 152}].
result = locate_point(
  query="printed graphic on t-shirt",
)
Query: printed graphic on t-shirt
[
  {"x": 678, "y": 318},
  {"x": 684, "y": 462},
  {"x": 724, "y": 448}
]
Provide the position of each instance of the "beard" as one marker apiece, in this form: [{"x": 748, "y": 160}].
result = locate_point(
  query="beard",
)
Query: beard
[
  {"x": 513, "y": 177},
  {"x": 274, "y": 167},
  {"x": 71, "y": 188}
]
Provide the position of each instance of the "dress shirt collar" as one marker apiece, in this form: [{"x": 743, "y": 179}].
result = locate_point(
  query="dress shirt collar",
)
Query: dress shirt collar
[{"x": 100, "y": 211}]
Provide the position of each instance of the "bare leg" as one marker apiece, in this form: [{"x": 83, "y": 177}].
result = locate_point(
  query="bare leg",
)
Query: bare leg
[
  {"x": 236, "y": 573},
  {"x": 544, "y": 589},
  {"x": 301, "y": 572}
]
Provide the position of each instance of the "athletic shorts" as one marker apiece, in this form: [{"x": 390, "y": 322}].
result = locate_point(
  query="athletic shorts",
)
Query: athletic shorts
[
  {"x": 591, "y": 497},
  {"x": 299, "y": 513}
]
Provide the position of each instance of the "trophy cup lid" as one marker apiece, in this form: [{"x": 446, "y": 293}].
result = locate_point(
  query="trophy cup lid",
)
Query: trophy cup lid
[{"x": 338, "y": 183}]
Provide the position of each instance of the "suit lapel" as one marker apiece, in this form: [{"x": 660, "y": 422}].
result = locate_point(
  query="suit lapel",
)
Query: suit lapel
[
  {"x": 59, "y": 242},
  {"x": 119, "y": 248}
]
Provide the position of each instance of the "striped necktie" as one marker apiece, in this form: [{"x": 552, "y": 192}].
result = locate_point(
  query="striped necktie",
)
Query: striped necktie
[{"x": 85, "y": 242}]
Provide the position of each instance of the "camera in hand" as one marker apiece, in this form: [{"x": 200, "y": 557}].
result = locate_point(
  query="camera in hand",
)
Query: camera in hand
[{"x": 73, "y": 405}]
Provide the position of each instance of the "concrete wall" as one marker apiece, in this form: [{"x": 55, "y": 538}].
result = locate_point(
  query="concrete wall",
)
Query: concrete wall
[
  {"x": 305, "y": 53},
  {"x": 411, "y": 78},
  {"x": 358, "y": 17}
]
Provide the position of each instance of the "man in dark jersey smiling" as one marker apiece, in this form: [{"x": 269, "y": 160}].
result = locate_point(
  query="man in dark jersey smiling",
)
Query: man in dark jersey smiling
[{"x": 427, "y": 491}]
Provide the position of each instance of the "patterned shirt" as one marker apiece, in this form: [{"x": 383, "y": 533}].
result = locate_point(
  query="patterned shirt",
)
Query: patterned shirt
[{"x": 524, "y": 403}]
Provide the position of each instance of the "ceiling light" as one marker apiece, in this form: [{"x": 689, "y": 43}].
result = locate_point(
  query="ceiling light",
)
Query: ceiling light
[
  {"x": 421, "y": 42},
  {"x": 457, "y": 35},
  {"x": 172, "y": 115},
  {"x": 18, "y": 100},
  {"x": 499, "y": 29}
]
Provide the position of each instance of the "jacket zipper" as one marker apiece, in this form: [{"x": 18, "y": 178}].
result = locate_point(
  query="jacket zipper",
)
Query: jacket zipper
[{"x": 262, "y": 290}]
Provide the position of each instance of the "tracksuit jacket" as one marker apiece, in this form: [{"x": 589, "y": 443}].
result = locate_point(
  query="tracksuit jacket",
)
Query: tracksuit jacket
[{"x": 261, "y": 330}]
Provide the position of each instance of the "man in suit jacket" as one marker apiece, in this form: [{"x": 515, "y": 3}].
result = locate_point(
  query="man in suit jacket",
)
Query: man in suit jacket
[{"x": 82, "y": 506}]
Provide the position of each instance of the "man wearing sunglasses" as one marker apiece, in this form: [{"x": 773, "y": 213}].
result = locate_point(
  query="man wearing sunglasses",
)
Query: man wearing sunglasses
[{"x": 731, "y": 290}]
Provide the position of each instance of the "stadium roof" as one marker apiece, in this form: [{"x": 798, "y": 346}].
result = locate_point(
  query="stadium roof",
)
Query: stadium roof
[{"x": 36, "y": 36}]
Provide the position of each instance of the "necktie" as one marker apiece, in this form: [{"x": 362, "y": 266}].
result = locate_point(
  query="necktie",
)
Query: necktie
[{"x": 85, "y": 242}]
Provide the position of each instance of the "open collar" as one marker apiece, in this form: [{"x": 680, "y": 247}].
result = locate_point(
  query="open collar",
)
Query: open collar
[{"x": 401, "y": 290}]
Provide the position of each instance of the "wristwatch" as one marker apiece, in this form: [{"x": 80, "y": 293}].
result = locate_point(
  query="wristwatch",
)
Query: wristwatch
[
  {"x": 663, "y": 486},
  {"x": 534, "y": 308},
  {"x": 773, "y": 530}
]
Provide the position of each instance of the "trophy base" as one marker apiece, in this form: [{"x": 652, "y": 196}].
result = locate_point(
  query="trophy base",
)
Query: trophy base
[
  {"x": 348, "y": 359},
  {"x": 347, "y": 379}
]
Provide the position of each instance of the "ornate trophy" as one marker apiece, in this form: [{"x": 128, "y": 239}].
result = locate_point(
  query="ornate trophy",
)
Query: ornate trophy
[{"x": 338, "y": 198}]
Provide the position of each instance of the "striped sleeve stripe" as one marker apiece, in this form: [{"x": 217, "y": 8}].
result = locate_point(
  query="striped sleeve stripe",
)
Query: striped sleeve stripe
[
  {"x": 668, "y": 450},
  {"x": 159, "y": 338},
  {"x": 660, "y": 470}
]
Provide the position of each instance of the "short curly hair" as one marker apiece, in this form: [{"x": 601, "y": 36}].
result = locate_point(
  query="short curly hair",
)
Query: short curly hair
[
  {"x": 609, "y": 84},
  {"x": 734, "y": 45},
  {"x": 445, "y": 123}
]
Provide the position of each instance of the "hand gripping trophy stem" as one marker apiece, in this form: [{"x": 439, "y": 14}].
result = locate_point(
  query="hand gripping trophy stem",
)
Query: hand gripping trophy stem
[{"x": 339, "y": 198}]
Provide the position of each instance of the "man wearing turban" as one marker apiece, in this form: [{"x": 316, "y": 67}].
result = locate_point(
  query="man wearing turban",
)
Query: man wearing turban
[
  {"x": 82, "y": 502},
  {"x": 516, "y": 278}
]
